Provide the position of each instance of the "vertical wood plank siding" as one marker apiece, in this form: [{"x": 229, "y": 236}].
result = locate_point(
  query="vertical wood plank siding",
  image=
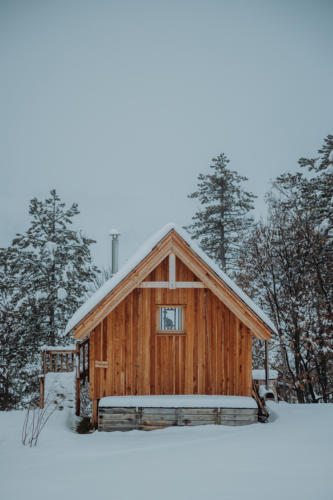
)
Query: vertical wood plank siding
[{"x": 212, "y": 357}]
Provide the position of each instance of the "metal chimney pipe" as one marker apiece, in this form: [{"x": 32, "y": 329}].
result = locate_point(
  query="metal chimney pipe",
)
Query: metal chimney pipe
[{"x": 114, "y": 233}]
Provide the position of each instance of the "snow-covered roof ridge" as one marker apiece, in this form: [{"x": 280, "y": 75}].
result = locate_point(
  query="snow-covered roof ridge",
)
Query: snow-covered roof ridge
[{"x": 138, "y": 256}]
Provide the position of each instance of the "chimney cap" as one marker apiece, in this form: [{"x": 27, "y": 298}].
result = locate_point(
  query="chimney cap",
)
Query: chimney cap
[{"x": 114, "y": 232}]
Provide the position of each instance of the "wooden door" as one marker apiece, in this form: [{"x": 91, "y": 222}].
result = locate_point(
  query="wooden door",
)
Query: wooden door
[{"x": 169, "y": 364}]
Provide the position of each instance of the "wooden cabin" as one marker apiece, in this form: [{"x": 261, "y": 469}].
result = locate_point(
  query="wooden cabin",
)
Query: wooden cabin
[{"x": 170, "y": 322}]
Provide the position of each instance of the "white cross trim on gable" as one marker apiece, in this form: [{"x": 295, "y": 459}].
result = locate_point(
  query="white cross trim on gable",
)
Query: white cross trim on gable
[
  {"x": 172, "y": 271},
  {"x": 172, "y": 284}
]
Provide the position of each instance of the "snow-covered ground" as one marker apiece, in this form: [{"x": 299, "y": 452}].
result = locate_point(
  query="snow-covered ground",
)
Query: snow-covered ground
[{"x": 288, "y": 458}]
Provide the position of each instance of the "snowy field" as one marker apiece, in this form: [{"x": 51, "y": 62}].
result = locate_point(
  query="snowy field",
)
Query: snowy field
[{"x": 289, "y": 458}]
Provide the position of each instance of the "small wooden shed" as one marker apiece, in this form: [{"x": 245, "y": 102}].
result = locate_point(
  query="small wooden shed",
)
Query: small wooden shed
[{"x": 170, "y": 322}]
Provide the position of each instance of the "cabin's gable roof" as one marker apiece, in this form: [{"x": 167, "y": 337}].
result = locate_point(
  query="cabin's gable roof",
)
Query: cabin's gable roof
[{"x": 170, "y": 239}]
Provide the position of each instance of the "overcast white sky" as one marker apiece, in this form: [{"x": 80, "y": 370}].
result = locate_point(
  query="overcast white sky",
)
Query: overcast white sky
[{"x": 120, "y": 104}]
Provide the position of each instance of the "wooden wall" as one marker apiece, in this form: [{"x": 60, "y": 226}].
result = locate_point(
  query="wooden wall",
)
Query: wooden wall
[{"x": 212, "y": 357}]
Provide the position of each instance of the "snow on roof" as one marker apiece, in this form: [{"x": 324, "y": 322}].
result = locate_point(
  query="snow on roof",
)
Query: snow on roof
[
  {"x": 114, "y": 232},
  {"x": 142, "y": 252},
  {"x": 179, "y": 401},
  {"x": 261, "y": 374}
]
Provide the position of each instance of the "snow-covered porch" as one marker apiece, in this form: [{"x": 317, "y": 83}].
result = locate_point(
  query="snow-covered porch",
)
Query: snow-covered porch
[
  {"x": 123, "y": 413},
  {"x": 65, "y": 359}
]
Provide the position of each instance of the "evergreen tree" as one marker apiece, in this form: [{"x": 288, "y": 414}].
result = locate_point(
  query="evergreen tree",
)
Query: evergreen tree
[
  {"x": 44, "y": 277},
  {"x": 222, "y": 220},
  {"x": 13, "y": 354},
  {"x": 55, "y": 268}
]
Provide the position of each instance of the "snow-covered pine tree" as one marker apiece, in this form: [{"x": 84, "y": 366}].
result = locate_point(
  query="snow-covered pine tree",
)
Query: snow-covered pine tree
[
  {"x": 55, "y": 269},
  {"x": 223, "y": 217},
  {"x": 317, "y": 189},
  {"x": 14, "y": 351}
]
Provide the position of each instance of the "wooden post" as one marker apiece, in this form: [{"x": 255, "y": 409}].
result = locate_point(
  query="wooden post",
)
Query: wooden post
[
  {"x": 42, "y": 381},
  {"x": 61, "y": 362},
  {"x": 88, "y": 360},
  {"x": 67, "y": 367},
  {"x": 266, "y": 365},
  {"x": 77, "y": 386},
  {"x": 84, "y": 363},
  {"x": 94, "y": 416},
  {"x": 84, "y": 357},
  {"x": 41, "y": 391},
  {"x": 77, "y": 399},
  {"x": 44, "y": 362}
]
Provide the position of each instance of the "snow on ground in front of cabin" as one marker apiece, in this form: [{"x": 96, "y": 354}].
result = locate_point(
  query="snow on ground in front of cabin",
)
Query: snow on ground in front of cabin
[
  {"x": 61, "y": 384},
  {"x": 288, "y": 458}
]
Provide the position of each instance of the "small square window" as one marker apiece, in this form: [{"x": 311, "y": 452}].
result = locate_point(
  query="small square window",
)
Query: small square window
[{"x": 170, "y": 319}]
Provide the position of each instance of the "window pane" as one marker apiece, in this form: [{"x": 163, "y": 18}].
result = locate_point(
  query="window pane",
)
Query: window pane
[{"x": 170, "y": 318}]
